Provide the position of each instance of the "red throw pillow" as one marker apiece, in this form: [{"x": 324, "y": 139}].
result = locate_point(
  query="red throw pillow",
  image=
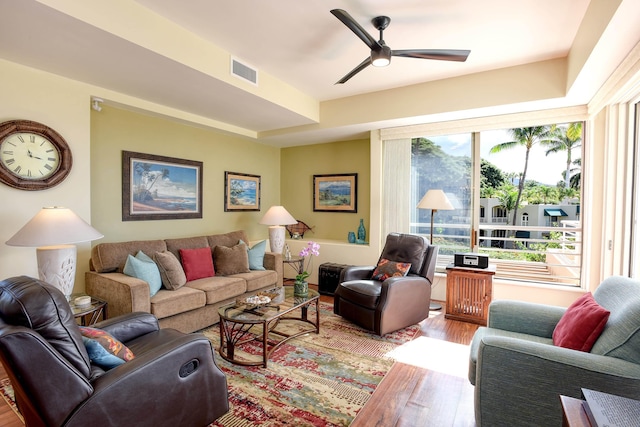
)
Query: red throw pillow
[
  {"x": 197, "y": 263},
  {"x": 581, "y": 324},
  {"x": 386, "y": 269}
]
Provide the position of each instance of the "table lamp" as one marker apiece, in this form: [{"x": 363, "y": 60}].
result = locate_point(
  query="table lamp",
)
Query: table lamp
[
  {"x": 275, "y": 218},
  {"x": 435, "y": 200},
  {"x": 53, "y": 231}
]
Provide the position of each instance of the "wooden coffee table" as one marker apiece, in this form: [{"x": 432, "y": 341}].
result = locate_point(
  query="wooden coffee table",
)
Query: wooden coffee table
[{"x": 238, "y": 320}]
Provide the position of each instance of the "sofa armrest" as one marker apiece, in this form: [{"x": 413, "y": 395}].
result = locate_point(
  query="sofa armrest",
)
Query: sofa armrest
[
  {"x": 522, "y": 380},
  {"x": 523, "y": 317},
  {"x": 123, "y": 294},
  {"x": 129, "y": 326},
  {"x": 273, "y": 261}
]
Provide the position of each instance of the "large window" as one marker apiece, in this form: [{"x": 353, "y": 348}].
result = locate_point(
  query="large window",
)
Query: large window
[{"x": 515, "y": 194}]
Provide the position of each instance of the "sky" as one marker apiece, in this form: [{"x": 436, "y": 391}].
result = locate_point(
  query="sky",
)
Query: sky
[{"x": 541, "y": 168}]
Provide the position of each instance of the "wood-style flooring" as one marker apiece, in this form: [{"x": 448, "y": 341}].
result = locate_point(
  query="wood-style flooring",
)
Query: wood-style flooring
[{"x": 428, "y": 387}]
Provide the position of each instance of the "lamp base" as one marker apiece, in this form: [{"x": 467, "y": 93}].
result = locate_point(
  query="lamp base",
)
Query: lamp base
[
  {"x": 57, "y": 266},
  {"x": 276, "y": 238}
]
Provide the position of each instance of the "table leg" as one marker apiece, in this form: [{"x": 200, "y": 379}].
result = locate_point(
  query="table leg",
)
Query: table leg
[{"x": 265, "y": 337}]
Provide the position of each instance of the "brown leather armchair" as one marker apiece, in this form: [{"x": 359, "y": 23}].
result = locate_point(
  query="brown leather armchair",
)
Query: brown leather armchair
[
  {"x": 397, "y": 302},
  {"x": 172, "y": 381}
]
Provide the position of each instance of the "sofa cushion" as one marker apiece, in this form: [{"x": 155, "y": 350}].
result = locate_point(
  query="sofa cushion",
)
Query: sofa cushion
[
  {"x": 171, "y": 271},
  {"x": 227, "y": 239},
  {"x": 143, "y": 267},
  {"x": 581, "y": 324},
  {"x": 174, "y": 245},
  {"x": 219, "y": 288},
  {"x": 197, "y": 263},
  {"x": 621, "y": 335},
  {"x": 258, "y": 279},
  {"x": 108, "y": 341},
  {"x": 111, "y": 257},
  {"x": 168, "y": 303},
  {"x": 387, "y": 268},
  {"x": 100, "y": 356},
  {"x": 256, "y": 255},
  {"x": 231, "y": 260}
]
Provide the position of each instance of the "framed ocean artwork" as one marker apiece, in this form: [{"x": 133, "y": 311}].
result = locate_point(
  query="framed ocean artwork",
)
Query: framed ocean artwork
[
  {"x": 335, "y": 193},
  {"x": 241, "y": 192}
]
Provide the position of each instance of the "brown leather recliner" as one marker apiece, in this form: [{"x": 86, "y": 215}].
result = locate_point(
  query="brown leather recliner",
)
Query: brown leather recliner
[
  {"x": 172, "y": 381},
  {"x": 397, "y": 302}
]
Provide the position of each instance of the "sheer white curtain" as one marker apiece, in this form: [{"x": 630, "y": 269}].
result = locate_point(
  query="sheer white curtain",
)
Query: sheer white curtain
[{"x": 396, "y": 186}]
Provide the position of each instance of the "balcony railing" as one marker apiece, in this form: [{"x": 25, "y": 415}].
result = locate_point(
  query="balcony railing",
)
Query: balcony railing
[{"x": 550, "y": 255}]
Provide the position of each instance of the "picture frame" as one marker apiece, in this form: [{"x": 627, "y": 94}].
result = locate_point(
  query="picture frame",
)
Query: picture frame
[
  {"x": 159, "y": 187},
  {"x": 335, "y": 193},
  {"x": 241, "y": 192}
]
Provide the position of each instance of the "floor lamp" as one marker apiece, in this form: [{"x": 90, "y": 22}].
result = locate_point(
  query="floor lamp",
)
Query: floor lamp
[
  {"x": 53, "y": 231},
  {"x": 435, "y": 200},
  {"x": 275, "y": 218}
]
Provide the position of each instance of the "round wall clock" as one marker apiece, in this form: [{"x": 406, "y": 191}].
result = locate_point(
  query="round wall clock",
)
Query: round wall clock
[{"x": 32, "y": 156}]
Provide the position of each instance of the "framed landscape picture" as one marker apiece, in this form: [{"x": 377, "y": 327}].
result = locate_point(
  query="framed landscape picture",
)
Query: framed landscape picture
[
  {"x": 158, "y": 187},
  {"x": 335, "y": 193},
  {"x": 241, "y": 192}
]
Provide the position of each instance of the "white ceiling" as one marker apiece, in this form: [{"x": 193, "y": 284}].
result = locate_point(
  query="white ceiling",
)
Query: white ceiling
[{"x": 294, "y": 41}]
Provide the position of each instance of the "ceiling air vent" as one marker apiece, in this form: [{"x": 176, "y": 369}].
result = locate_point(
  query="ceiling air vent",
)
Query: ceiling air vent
[{"x": 244, "y": 71}]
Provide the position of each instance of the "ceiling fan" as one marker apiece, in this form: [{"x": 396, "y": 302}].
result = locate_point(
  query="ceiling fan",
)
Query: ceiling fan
[{"x": 381, "y": 53}]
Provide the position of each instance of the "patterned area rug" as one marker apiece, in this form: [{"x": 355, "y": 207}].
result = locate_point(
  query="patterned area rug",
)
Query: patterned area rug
[
  {"x": 313, "y": 380},
  {"x": 7, "y": 394}
]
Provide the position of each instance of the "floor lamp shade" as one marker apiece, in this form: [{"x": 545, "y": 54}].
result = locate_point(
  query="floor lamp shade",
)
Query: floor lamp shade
[
  {"x": 53, "y": 231},
  {"x": 276, "y": 217}
]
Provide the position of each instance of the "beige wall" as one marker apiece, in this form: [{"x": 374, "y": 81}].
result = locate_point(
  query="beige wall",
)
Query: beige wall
[
  {"x": 299, "y": 166},
  {"x": 63, "y": 105},
  {"x": 114, "y": 130}
]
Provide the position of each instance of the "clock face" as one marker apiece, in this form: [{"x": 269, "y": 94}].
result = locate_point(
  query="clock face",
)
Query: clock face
[
  {"x": 29, "y": 156},
  {"x": 32, "y": 156}
]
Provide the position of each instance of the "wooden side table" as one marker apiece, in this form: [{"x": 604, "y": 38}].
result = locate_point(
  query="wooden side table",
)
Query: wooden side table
[
  {"x": 469, "y": 292},
  {"x": 296, "y": 263},
  {"x": 88, "y": 314}
]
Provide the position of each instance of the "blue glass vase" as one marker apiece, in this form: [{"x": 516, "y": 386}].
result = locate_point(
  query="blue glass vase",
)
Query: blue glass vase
[
  {"x": 351, "y": 237},
  {"x": 362, "y": 232}
]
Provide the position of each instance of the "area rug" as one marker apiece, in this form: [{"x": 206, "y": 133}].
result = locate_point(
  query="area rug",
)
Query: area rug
[
  {"x": 319, "y": 380},
  {"x": 312, "y": 380}
]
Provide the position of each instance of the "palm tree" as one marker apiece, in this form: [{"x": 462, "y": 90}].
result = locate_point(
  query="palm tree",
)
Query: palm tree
[
  {"x": 525, "y": 137},
  {"x": 566, "y": 139}
]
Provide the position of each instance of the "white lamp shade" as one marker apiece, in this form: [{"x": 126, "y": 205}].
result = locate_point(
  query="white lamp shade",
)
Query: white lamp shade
[
  {"x": 54, "y": 226},
  {"x": 435, "y": 200},
  {"x": 53, "y": 231},
  {"x": 277, "y": 215}
]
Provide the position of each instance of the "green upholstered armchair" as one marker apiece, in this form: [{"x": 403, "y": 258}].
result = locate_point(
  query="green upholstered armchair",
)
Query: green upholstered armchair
[{"x": 519, "y": 374}]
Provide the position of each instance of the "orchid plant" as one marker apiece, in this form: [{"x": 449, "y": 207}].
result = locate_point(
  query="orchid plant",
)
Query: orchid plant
[{"x": 312, "y": 248}]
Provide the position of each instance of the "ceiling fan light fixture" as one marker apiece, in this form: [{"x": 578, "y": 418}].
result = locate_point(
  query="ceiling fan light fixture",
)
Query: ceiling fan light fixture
[{"x": 382, "y": 57}]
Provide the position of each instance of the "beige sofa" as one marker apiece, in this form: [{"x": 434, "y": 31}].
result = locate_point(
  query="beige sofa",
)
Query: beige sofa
[{"x": 190, "y": 307}]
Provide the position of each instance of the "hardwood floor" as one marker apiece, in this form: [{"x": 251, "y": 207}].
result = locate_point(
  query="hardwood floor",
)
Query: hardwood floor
[{"x": 428, "y": 387}]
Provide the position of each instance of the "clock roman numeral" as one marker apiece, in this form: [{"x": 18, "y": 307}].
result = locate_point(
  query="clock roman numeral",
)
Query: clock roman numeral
[
  {"x": 51, "y": 159},
  {"x": 8, "y": 152},
  {"x": 48, "y": 167},
  {"x": 29, "y": 172},
  {"x": 18, "y": 169},
  {"x": 20, "y": 138},
  {"x": 32, "y": 139},
  {"x": 10, "y": 161}
]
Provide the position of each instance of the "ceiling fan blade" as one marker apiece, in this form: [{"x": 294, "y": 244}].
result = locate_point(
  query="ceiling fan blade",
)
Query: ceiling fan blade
[
  {"x": 364, "y": 64},
  {"x": 356, "y": 28},
  {"x": 441, "y": 54}
]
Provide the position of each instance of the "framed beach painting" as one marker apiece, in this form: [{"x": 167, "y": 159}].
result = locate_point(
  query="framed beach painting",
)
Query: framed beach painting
[
  {"x": 335, "y": 193},
  {"x": 241, "y": 192},
  {"x": 158, "y": 187}
]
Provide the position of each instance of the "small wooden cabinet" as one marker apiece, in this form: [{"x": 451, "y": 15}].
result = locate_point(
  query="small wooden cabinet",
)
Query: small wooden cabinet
[{"x": 469, "y": 292}]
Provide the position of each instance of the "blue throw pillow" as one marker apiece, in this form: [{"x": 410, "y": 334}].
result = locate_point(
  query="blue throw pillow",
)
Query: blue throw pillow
[
  {"x": 256, "y": 255},
  {"x": 100, "y": 356},
  {"x": 143, "y": 267}
]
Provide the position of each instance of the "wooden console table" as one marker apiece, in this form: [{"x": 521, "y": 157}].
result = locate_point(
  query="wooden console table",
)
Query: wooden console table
[{"x": 469, "y": 292}]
